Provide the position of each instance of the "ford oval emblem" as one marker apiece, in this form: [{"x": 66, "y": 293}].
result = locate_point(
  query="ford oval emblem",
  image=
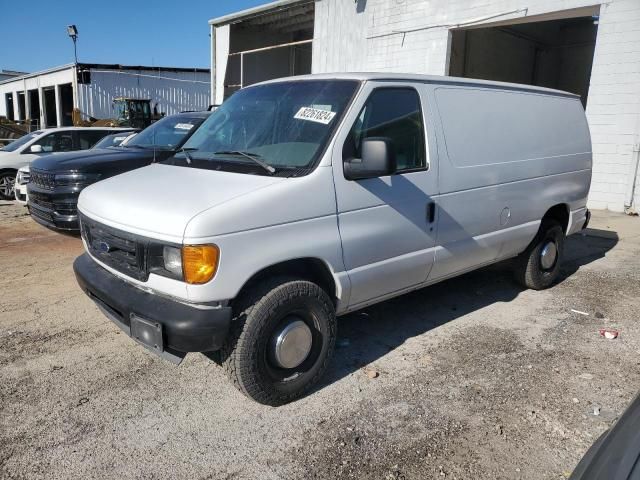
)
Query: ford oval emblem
[{"x": 104, "y": 247}]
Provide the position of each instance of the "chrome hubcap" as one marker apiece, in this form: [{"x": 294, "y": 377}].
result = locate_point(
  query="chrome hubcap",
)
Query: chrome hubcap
[
  {"x": 6, "y": 186},
  {"x": 292, "y": 344},
  {"x": 548, "y": 255}
]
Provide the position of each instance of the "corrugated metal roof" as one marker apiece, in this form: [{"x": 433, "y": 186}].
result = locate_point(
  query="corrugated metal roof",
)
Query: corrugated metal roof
[
  {"x": 41, "y": 72},
  {"x": 105, "y": 66},
  {"x": 256, "y": 11}
]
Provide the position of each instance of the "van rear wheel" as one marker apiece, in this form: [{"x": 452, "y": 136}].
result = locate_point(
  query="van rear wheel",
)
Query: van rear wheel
[
  {"x": 281, "y": 340},
  {"x": 538, "y": 266}
]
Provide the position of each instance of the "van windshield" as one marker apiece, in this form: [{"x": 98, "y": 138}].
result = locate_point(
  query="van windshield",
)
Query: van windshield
[{"x": 273, "y": 129}]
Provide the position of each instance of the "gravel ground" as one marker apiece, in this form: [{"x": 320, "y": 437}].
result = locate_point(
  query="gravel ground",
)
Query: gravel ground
[{"x": 476, "y": 378}]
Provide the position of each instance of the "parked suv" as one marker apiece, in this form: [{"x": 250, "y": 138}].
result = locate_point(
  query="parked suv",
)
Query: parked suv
[
  {"x": 31, "y": 146},
  {"x": 57, "y": 180},
  {"x": 302, "y": 199}
]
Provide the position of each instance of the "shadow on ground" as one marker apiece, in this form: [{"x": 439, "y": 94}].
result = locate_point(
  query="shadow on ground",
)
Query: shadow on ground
[{"x": 377, "y": 330}]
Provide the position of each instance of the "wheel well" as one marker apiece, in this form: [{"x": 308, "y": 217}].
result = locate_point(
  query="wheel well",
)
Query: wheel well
[
  {"x": 560, "y": 213},
  {"x": 8, "y": 170},
  {"x": 311, "y": 269}
]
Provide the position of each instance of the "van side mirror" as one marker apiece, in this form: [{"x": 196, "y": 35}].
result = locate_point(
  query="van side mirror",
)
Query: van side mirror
[
  {"x": 378, "y": 160},
  {"x": 36, "y": 149}
]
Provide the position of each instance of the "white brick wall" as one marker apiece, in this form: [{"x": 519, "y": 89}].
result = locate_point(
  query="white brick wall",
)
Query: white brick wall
[
  {"x": 343, "y": 42},
  {"x": 613, "y": 108}
]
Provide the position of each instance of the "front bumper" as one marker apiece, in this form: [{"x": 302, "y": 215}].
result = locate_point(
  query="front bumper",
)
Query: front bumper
[
  {"x": 56, "y": 209},
  {"x": 165, "y": 326},
  {"x": 21, "y": 193}
]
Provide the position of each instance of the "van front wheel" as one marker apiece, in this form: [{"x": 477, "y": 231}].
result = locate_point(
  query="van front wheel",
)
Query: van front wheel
[
  {"x": 281, "y": 340},
  {"x": 538, "y": 267}
]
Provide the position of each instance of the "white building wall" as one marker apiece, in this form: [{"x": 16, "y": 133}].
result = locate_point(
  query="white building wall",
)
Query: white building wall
[
  {"x": 172, "y": 91},
  {"x": 345, "y": 40},
  {"x": 613, "y": 107},
  {"x": 36, "y": 82}
]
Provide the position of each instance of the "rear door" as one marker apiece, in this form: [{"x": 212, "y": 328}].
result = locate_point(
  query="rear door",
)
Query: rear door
[{"x": 386, "y": 224}]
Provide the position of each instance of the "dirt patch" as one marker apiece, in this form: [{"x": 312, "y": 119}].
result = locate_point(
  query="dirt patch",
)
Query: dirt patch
[{"x": 475, "y": 378}]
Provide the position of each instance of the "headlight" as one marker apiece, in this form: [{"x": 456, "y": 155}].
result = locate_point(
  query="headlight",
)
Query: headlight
[
  {"x": 22, "y": 178},
  {"x": 172, "y": 260},
  {"x": 76, "y": 178},
  {"x": 194, "y": 264}
]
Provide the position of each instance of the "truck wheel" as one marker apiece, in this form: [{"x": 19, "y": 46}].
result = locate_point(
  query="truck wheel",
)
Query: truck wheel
[
  {"x": 538, "y": 266},
  {"x": 281, "y": 340},
  {"x": 7, "y": 185}
]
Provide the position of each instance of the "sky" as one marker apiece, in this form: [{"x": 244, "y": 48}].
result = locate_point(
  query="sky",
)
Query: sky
[{"x": 156, "y": 32}]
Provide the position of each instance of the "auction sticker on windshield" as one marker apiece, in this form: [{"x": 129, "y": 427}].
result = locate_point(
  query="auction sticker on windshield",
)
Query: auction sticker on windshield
[
  {"x": 183, "y": 126},
  {"x": 315, "y": 115}
]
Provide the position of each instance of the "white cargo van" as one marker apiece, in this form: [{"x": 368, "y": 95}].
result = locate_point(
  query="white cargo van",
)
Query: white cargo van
[{"x": 305, "y": 198}]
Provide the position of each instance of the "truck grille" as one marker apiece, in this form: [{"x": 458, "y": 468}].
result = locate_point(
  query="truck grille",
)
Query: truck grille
[
  {"x": 37, "y": 211},
  {"x": 41, "y": 200},
  {"x": 43, "y": 179},
  {"x": 119, "y": 250}
]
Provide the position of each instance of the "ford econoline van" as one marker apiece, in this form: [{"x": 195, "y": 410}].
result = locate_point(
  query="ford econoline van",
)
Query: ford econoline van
[{"x": 305, "y": 198}]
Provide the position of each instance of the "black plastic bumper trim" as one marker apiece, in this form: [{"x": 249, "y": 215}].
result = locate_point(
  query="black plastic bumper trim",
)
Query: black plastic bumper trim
[{"x": 185, "y": 328}]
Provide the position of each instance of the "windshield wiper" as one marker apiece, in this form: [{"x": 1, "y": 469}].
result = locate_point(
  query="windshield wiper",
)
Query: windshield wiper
[
  {"x": 251, "y": 156},
  {"x": 187, "y": 154}
]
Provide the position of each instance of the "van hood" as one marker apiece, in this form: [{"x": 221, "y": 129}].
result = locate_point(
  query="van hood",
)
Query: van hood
[
  {"x": 88, "y": 161},
  {"x": 158, "y": 201}
]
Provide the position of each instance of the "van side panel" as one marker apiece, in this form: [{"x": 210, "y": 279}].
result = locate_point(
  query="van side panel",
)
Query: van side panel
[{"x": 506, "y": 157}]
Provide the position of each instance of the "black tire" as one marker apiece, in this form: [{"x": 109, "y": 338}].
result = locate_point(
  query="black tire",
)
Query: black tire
[
  {"x": 529, "y": 270},
  {"x": 7, "y": 185},
  {"x": 257, "y": 316}
]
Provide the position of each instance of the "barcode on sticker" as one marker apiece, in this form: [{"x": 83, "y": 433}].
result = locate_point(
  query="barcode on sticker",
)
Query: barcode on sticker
[{"x": 315, "y": 115}]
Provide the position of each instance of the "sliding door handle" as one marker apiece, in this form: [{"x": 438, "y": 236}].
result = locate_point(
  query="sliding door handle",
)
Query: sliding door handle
[{"x": 431, "y": 212}]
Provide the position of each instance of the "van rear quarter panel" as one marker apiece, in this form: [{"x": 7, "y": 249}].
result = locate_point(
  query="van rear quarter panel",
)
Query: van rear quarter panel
[{"x": 506, "y": 157}]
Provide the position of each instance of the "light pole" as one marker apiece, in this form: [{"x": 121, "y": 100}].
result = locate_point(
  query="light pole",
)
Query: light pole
[{"x": 72, "y": 31}]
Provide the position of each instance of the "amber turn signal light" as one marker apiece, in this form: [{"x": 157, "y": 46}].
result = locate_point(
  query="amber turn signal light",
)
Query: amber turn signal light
[{"x": 199, "y": 263}]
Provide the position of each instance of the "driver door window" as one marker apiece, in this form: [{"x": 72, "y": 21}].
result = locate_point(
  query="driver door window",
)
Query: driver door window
[
  {"x": 394, "y": 113},
  {"x": 56, "y": 142}
]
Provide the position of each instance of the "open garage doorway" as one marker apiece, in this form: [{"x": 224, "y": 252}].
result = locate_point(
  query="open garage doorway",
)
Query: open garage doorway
[
  {"x": 554, "y": 53},
  {"x": 50, "y": 112},
  {"x": 34, "y": 108},
  {"x": 271, "y": 45},
  {"x": 66, "y": 104},
  {"x": 22, "y": 115}
]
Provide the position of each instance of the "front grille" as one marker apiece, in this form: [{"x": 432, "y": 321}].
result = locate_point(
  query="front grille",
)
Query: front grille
[
  {"x": 36, "y": 211},
  {"x": 41, "y": 200},
  {"x": 120, "y": 250},
  {"x": 43, "y": 179}
]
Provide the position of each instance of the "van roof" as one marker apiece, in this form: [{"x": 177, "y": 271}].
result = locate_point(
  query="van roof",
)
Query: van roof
[{"x": 439, "y": 79}]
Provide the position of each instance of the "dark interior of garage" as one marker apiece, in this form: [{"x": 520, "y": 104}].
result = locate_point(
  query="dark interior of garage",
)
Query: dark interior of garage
[
  {"x": 34, "y": 108},
  {"x": 556, "y": 54},
  {"x": 21, "y": 106},
  {"x": 268, "y": 46},
  {"x": 8, "y": 98},
  {"x": 50, "y": 115},
  {"x": 66, "y": 104}
]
